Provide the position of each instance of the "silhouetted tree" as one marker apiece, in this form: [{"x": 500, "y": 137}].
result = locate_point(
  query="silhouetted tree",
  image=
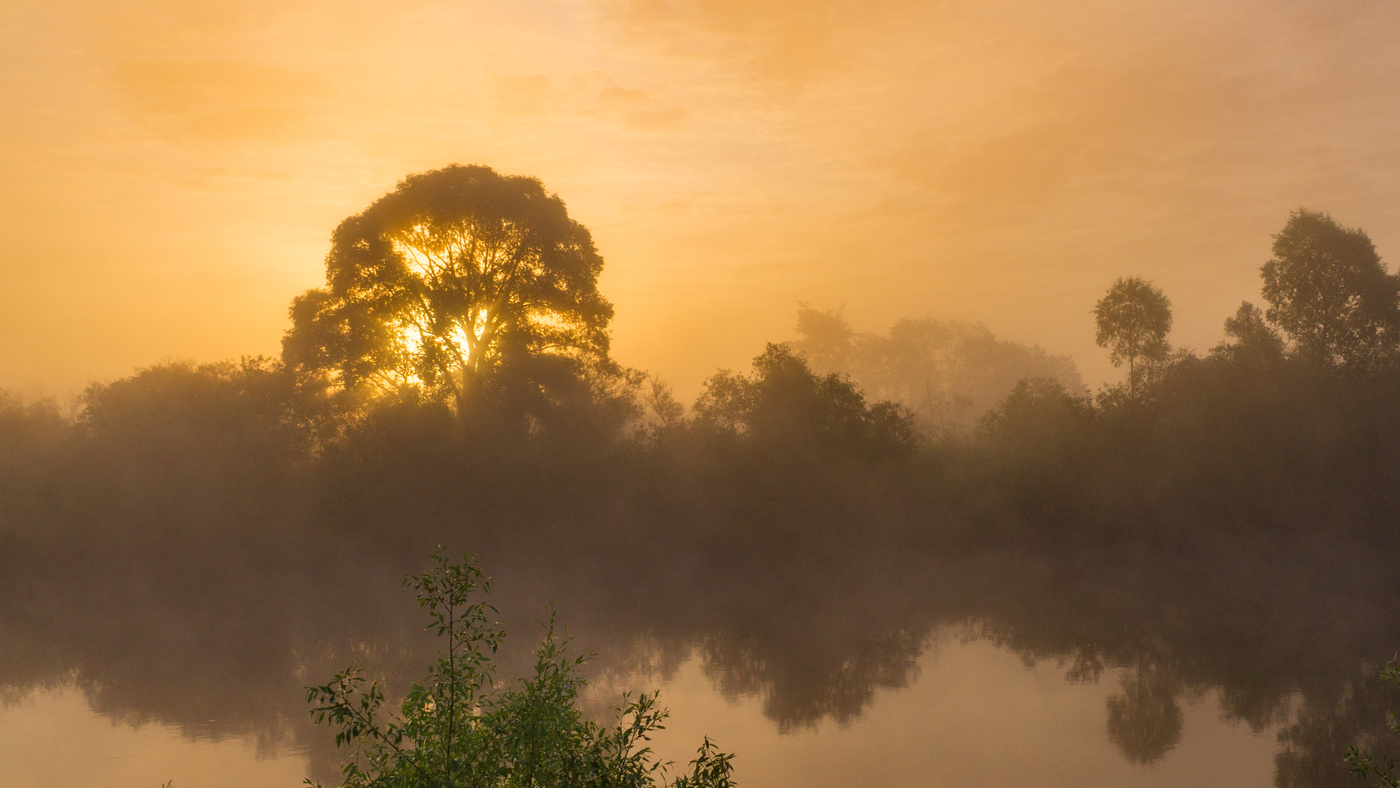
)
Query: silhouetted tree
[
  {"x": 28, "y": 430},
  {"x": 1038, "y": 412},
  {"x": 661, "y": 410},
  {"x": 1133, "y": 320},
  {"x": 34, "y": 441},
  {"x": 178, "y": 418},
  {"x": 826, "y": 339},
  {"x": 458, "y": 280},
  {"x": 1328, "y": 289},
  {"x": 785, "y": 404},
  {"x": 1251, "y": 338}
]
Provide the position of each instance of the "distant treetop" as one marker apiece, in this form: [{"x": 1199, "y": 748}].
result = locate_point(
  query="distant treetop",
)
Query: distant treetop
[
  {"x": 949, "y": 373},
  {"x": 1133, "y": 320}
]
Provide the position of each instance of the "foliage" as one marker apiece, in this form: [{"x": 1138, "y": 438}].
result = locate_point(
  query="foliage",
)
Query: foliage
[
  {"x": 1133, "y": 321},
  {"x": 458, "y": 282},
  {"x": 1036, "y": 413},
  {"x": 661, "y": 410},
  {"x": 179, "y": 401},
  {"x": 458, "y": 730},
  {"x": 1364, "y": 762},
  {"x": 35, "y": 445},
  {"x": 1251, "y": 339},
  {"x": 28, "y": 432},
  {"x": 784, "y": 403},
  {"x": 1328, "y": 289},
  {"x": 223, "y": 428},
  {"x": 827, "y": 340}
]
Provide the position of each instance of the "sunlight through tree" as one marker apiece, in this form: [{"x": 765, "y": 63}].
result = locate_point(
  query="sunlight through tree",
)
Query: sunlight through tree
[{"x": 456, "y": 278}]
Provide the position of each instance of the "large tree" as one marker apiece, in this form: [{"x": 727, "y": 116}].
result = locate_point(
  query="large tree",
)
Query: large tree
[
  {"x": 1133, "y": 320},
  {"x": 1329, "y": 291},
  {"x": 458, "y": 279}
]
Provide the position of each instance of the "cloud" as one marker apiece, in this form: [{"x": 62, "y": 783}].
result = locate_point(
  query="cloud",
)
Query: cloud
[
  {"x": 786, "y": 39},
  {"x": 639, "y": 110},
  {"x": 219, "y": 100},
  {"x": 523, "y": 94}
]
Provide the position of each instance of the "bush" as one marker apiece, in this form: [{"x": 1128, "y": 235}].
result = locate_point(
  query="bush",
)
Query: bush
[{"x": 456, "y": 730}]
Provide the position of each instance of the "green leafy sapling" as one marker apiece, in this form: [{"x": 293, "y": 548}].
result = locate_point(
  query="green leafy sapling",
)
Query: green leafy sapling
[
  {"x": 1365, "y": 763},
  {"x": 457, "y": 729}
]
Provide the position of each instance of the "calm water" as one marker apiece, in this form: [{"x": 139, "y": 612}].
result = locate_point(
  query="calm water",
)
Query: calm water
[
  {"x": 888, "y": 667},
  {"x": 975, "y": 715}
]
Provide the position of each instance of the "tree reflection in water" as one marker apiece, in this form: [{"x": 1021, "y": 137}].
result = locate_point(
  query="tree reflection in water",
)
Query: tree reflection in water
[
  {"x": 1144, "y": 719},
  {"x": 221, "y": 647}
]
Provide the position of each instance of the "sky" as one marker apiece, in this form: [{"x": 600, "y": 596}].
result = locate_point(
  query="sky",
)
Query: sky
[{"x": 171, "y": 171}]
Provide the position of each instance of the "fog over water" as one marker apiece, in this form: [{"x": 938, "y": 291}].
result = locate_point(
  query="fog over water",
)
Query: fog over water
[{"x": 177, "y": 575}]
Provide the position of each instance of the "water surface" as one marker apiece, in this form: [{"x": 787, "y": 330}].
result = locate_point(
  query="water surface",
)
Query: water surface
[{"x": 887, "y": 663}]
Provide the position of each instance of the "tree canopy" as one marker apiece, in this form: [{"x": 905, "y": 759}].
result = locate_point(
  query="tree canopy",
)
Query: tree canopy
[
  {"x": 1133, "y": 321},
  {"x": 785, "y": 404},
  {"x": 446, "y": 284},
  {"x": 1250, "y": 338},
  {"x": 1329, "y": 291}
]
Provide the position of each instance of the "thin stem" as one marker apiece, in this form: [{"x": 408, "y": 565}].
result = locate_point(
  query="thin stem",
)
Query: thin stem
[
  {"x": 451, "y": 688},
  {"x": 373, "y": 729}
]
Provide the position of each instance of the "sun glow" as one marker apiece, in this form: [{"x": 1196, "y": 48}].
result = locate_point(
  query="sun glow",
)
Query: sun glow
[{"x": 465, "y": 348}]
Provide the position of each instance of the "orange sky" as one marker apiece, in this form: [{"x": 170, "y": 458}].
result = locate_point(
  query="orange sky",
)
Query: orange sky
[{"x": 172, "y": 170}]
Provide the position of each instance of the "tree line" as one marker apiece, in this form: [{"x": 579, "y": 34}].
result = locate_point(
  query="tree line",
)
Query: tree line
[{"x": 455, "y": 368}]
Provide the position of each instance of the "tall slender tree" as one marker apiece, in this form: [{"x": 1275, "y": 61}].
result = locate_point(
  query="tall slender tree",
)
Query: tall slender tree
[{"x": 1133, "y": 321}]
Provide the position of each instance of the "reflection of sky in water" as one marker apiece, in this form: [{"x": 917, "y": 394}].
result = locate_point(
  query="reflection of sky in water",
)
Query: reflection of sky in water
[
  {"x": 975, "y": 715},
  {"x": 52, "y": 738}
]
